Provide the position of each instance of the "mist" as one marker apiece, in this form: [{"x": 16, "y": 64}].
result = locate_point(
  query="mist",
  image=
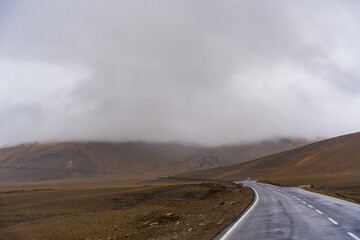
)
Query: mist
[{"x": 208, "y": 72}]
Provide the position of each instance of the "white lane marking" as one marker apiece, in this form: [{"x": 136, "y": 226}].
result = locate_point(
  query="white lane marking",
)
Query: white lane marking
[
  {"x": 310, "y": 206},
  {"x": 353, "y": 235},
  {"x": 293, "y": 196},
  {"x": 319, "y": 211},
  {"x": 243, "y": 216},
  {"x": 298, "y": 199},
  {"x": 333, "y": 221},
  {"x": 304, "y": 202}
]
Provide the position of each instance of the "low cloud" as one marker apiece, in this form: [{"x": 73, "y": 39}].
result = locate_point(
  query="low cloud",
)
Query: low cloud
[{"x": 204, "y": 71}]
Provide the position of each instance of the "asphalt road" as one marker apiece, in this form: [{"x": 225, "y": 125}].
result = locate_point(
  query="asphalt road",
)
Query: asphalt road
[{"x": 293, "y": 213}]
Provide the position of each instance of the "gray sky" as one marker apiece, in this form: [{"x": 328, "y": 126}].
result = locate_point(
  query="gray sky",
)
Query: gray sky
[{"x": 209, "y": 72}]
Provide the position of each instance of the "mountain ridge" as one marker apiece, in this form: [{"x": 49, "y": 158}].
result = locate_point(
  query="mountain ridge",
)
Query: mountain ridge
[
  {"x": 125, "y": 160},
  {"x": 338, "y": 155}
]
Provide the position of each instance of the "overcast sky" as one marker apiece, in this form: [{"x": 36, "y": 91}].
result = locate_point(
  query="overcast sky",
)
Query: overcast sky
[{"x": 210, "y": 72}]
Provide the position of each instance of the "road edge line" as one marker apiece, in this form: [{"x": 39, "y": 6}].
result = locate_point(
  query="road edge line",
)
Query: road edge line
[
  {"x": 242, "y": 216},
  {"x": 353, "y": 235}
]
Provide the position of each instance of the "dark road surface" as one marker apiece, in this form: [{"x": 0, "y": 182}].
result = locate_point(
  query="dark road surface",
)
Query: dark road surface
[{"x": 293, "y": 213}]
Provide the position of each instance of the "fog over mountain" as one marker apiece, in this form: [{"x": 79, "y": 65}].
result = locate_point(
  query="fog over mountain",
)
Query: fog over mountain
[{"x": 210, "y": 72}]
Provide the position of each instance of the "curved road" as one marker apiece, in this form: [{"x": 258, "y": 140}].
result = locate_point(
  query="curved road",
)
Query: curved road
[{"x": 293, "y": 213}]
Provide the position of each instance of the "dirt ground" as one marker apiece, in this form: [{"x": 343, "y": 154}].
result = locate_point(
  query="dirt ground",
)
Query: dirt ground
[{"x": 170, "y": 211}]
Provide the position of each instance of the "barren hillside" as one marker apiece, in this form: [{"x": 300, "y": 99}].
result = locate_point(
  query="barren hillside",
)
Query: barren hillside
[
  {"x": 124, "y": 161},
  {"x": 335, "y": 156}
]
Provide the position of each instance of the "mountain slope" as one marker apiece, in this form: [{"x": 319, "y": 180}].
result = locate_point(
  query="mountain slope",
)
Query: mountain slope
[
  {"x": 340, "y": 155},
  {"x": 129, "y": 160}
]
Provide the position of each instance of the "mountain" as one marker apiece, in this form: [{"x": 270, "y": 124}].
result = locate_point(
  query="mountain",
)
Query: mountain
[
  {"x": 339, "y": 155},
  {"x": 124, "y": 161}
]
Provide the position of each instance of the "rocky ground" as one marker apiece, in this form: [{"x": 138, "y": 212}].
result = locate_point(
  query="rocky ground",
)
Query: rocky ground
[{"x": 169, "y": 211}]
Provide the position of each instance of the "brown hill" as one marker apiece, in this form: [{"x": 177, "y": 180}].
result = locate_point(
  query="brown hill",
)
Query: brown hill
[
  {"x": 124, "y": 161},
  {"x": 340, "y": 155}
]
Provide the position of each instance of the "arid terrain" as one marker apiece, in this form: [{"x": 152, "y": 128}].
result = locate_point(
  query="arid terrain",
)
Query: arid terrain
[
  {"x": 331, "y": 165},
  {"x": 157, "y": 210},
  {"x": 48, "y": 201},
  {"x": 99, "y": 161},
  {"x": 338, "y": 156},
  {"x": 101, "y": 190}
]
